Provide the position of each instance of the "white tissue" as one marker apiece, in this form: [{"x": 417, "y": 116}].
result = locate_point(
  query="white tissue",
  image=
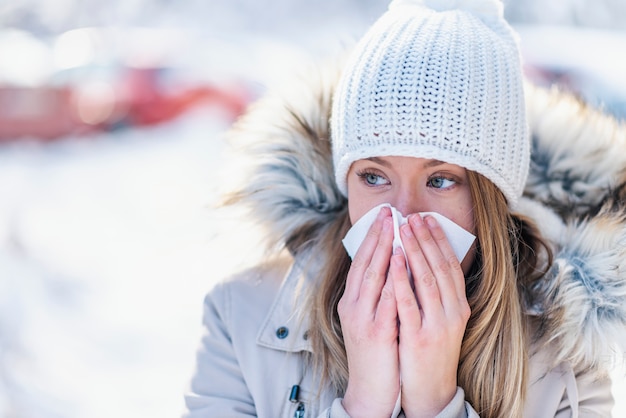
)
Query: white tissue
[{"x": 460, "y": 240}]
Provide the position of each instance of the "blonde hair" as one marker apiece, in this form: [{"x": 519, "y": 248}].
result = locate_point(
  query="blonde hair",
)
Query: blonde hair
[{"x": 493, "y": 363}]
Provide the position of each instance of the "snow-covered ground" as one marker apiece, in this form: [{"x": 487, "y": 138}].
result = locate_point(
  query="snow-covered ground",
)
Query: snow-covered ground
[
  {"x": 107, "y": 244},
  {"x": 105, "y": 254}
]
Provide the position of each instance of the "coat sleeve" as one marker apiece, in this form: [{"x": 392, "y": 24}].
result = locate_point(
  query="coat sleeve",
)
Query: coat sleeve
[
  {"x": 457, "y": 408},
  {"x": 217, "y": 386},
  {"x": 586, "y": 396}
]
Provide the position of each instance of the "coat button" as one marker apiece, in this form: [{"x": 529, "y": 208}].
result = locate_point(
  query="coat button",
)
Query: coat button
[{"x": 282, "y": 332}]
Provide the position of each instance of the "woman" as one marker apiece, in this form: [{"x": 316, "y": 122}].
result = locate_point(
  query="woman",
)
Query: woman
[{"x": 428, "y": 115}]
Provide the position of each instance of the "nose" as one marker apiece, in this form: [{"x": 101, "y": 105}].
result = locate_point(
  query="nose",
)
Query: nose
[{"x": 408, "y": 200}]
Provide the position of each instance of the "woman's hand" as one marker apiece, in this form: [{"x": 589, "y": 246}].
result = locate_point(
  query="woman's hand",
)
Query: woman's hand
[
  {"x": 432, "y": 317},
  {"x": 368, "y": 315}
]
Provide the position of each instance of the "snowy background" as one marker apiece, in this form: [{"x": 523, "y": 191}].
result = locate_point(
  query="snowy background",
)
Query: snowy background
[{"x": 107, "y": 245}]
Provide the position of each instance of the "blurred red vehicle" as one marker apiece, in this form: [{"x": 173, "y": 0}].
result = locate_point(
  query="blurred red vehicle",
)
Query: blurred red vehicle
[
  {"x": 44, "y": 113},
  {"x": 138, "y": 98}
]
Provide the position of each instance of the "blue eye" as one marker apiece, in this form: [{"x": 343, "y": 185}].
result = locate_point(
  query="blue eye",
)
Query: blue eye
[
  {"x": 440, "y": 182},
  {"x": 373, "y": 179}
]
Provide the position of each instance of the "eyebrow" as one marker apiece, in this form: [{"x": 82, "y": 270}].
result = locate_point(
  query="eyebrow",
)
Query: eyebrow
[
  {"x": 434, "y": 163},
  {"x": 380, "y": 161},
  {"x": 428, "y": 164}
]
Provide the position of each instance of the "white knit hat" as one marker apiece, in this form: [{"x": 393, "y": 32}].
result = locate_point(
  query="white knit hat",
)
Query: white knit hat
[{"x": 436, "y": 79}]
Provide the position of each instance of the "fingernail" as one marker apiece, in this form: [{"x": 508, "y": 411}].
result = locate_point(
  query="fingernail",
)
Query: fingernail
[
  {"x": 383, "y": 213},
  {"x": 432, "y": 222},
  {"x": 415, "y": 219}
]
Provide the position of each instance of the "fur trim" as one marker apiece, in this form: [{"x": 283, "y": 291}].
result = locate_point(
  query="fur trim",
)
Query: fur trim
[
  {"x": 575, "y": 193},
  {"x": 287, "y": 180},
  {"x": 577, "y": 152},
  {"x": 577, "y": 188},
  {"x": 581, "y": 300}
]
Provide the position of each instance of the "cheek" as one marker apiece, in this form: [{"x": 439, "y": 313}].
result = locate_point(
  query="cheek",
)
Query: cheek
[
  {"x": 357, "y": 206},
  {"x": 464, "y": 214},
  {"x": 467, "y": 221},
  {"x": 360, "y": 201},
  {"x": 467, "y": 262}
]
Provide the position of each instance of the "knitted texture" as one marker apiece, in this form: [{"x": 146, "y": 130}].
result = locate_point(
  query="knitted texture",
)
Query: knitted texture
[{"x": 444, "y": 84}]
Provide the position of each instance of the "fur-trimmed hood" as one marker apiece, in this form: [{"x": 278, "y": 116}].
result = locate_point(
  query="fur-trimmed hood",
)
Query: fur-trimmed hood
[{"x": 576, "y": 194}]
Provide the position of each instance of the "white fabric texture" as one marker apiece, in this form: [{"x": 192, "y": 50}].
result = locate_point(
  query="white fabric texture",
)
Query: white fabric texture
[{"x": 444, "y": 84}]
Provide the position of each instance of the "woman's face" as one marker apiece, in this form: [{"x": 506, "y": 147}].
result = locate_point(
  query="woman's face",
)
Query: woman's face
[{"x": 412, "y": 185}]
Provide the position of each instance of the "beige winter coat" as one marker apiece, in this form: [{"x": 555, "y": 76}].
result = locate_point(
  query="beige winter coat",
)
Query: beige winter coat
[{"x": 252, "y": 355}]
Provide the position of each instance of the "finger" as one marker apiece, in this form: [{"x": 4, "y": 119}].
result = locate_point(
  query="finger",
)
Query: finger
[
  {"x": 387, "y": 312},
  {"x": 376, "y": 273},
  {"x": 406, "y": 302},
  {"x": 424, "y": 279},
  {"x": 444, "y": 263},
  {"x": 363, "y": 256}
]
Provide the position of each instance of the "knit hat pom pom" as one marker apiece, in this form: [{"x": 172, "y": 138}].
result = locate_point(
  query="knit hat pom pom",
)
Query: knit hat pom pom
[{"x": 486, "y": 9}]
